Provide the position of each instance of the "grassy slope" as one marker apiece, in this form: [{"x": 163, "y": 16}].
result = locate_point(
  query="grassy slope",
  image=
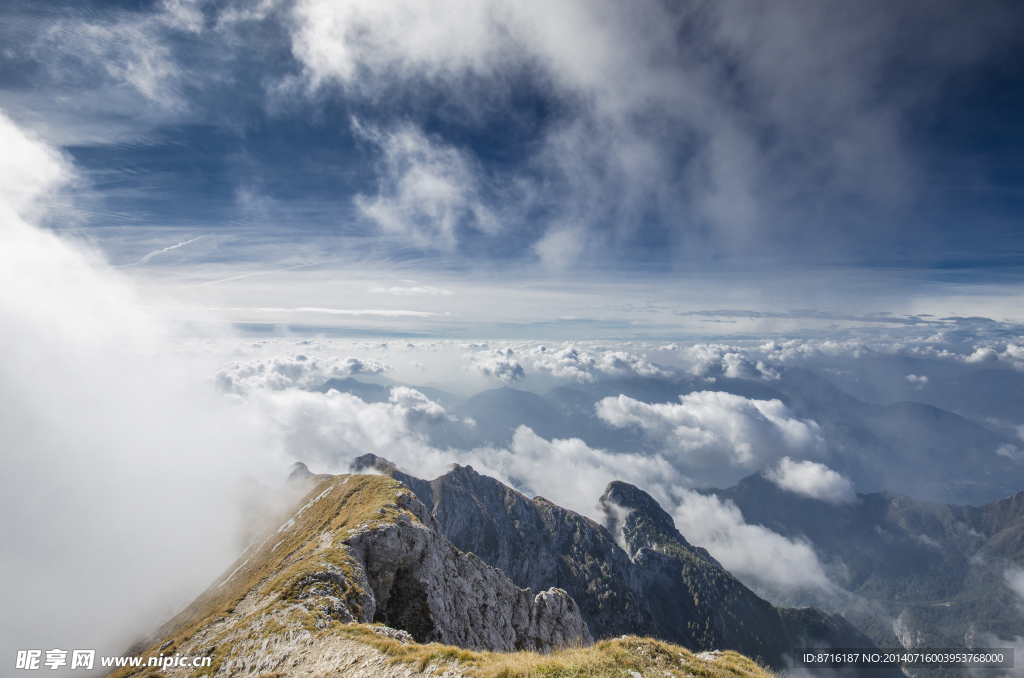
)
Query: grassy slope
[
  {"x": 275, "y": 568},
  {"x": 267, "y": 594}
]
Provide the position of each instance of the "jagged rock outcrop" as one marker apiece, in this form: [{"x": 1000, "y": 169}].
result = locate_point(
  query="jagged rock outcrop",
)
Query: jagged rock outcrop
[
  {"x": 535, "y": 543},
  {"x": 359, "y": 549},
  {"x": 299, "y": 473},
  {"x": 424, "y": 585},
  {"x": 658, "y": 585},
  {"x": 916, "y": 632}
]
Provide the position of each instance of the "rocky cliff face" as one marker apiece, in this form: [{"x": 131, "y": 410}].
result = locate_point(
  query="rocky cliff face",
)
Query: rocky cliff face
[
  {"x": 691, "y": 595},
  {"x": 659, "y": 585},
  {"x": 364, "y": 549},
  {"x": 424, "y": 585}
]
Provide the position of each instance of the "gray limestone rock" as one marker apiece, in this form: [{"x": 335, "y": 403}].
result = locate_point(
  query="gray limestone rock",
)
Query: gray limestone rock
[{"x": 424, "y": 585}]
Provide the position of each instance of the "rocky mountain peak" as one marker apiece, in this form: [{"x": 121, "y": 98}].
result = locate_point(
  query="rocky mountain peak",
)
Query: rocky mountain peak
[
  {"x": 638, "y": 520},
  {"x": 299, "y": 473},
  {"x": 658, "y": 584}
]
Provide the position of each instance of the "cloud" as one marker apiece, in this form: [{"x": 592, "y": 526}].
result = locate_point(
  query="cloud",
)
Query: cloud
[
  {"x": 1015, "y": 580},
  {"x": 710, "y": 429},
  {"x": 757, "y": 114},
  {"x": 813, "y": 480},
  {"x": 727, "y": 361},
  {"x": 756, "y": 555},
  {"x": 328, "y": 430},
  {"x": 133, "y": 49},
  {"x": 428, "y": 190},
  {"x": 412, "y": 405},
  {"x": 297, "y": 371},
  {"x": 102, "y": 439},
  {"x": 982, "y": 355},
  {"x": 497, "y": 365},
  {"x": 569, "y": 472},
  {"x": 152, "y": 254},
  {"x": 413, "y": 291},
  {"x": 31, "y": 172},
  {"x": 577, "y": 364},
  {"x": 918, "y": 381},
  {"x": 1011, "y": 451}
]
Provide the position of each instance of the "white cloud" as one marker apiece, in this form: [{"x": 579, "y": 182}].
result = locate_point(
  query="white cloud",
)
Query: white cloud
[
  {"x": 296, "y": 371},
  {"x": 497, "y": 365},
  {"x": 637, "y": 98},
  {"x": 560, "y": 246},
  {"x": 753, "y": 553},
  {"x": 813, "y": 480},
  {"x": 569, "y": 472},
  {"x": 709, "y": 428},
  {"x": 1014, "y": 577},
  {"x": 412, "y": 406},
  {"x": 581, "y": 365},
  {"x": 428, "y": 190},
  {"x": 918, "y": 381},
  {"x": 132, "y": 49},
  {"x": 101, "y": 438},
  {"x": 622, "y": 364},
  {"x": 711, "y": 360},
  {"x": 413, "y": 291},
  {"x": 982, "y": 355},
  {"x": 1011, "y": 451},
  {"x": 31, "y": 172},
  {"x": 328, "y": 430}
]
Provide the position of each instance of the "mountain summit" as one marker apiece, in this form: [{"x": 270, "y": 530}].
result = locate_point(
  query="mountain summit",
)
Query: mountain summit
[{"x": 658, "y": 585}]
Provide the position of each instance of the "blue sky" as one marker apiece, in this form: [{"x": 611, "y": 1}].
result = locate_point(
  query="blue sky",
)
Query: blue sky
[{"x": 766, "y": 157}]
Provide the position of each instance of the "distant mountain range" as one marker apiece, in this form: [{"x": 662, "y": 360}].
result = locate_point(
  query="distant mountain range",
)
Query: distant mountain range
[
  {"x": 909, "y": 447},
  {"x": 942, "y": 568}
]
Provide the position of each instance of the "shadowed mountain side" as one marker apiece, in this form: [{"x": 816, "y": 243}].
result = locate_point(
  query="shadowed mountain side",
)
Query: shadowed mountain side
[
  {"x": 962, "y": 388},
  {"x": 660, "y": 585},
  {"x": 686, "y": 587},
  {"x": 944, "y": 563},
  {"x": 534, "y": 541},
  {"x": 368, "y": 393}
]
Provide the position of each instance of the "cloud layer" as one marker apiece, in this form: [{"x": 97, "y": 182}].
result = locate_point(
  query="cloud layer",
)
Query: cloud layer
[
  {"x": 297, "y": 371},
  {"x": 810, "y": 479},
  {"x": 711, "y": 429}
]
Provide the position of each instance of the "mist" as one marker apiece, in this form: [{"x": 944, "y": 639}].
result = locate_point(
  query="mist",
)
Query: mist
[{"x": 118, "y": 459}]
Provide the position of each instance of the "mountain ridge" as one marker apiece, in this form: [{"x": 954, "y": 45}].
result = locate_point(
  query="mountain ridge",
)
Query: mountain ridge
[{"x": 696, "y": 603}]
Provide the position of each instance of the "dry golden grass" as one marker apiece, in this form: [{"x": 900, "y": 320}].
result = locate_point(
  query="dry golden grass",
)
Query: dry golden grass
[
  {"x": 279, "y": 564},
  {"x": 606, "y": 659},
  {"x": 282, "y": 558}
]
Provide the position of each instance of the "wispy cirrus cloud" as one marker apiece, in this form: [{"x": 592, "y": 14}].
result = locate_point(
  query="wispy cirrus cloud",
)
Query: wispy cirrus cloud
[{"x": 419, "y": 290}]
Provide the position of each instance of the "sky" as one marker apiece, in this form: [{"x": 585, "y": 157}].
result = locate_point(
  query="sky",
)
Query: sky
[
  {"x": 209, "y": 208},
  {"x": 259, "y": 158}
]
